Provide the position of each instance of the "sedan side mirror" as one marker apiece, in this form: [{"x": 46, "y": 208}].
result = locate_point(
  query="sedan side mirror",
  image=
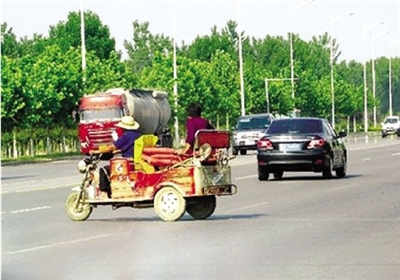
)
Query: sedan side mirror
[{"x": 342, "y": 134}]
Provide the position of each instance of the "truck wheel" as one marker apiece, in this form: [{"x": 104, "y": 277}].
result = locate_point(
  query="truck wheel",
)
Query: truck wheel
[
  {"x": 76, "y": 209},
  {"x": 243, "y": 152},
  {"x": 169, "y": 204},
  {"x": 202, "y": 207},
  {"x": 278, "y": 175},
  {"x": 263, "y": 173}
]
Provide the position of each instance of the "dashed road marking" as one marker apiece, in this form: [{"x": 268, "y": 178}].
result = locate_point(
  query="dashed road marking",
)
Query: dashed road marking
[
  {"x": 246, "y": 177},
  {"x": 28, "y": 210},
  {"x": 49, "y": 246}
]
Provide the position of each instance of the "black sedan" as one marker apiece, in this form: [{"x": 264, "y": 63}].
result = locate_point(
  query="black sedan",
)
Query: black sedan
[{"x": 301, "y": 144}]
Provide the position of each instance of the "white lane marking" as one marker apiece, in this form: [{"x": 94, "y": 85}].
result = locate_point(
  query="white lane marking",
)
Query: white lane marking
[
  {"x": 396, "y": 154},
  {"x": 56, "y": 244},
  {"x": 37, "y": 181},
  {"x": 366, "y": 159},
  {"x": 39, "y": 189},
  {"x": 247, "y": 207},
  {"x": 46, "y": 188},
  {"x": 29, "y": 210},
  {"x": 246, "y": 177}
]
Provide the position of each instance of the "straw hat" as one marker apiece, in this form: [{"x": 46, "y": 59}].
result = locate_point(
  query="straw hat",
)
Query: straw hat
[{"x": 127, "y": 122}]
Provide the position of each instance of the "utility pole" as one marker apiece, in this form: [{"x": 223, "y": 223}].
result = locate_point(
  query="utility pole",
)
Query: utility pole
[{"x": 177, "y": 140}]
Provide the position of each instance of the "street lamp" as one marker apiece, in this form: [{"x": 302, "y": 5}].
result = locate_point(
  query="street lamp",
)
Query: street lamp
[
  {"x": 175, "y": 73},
  {"x": 390, "y": 77},
  {"x": 333, "y": 20},
  {"x": 83, "y": 48},
  {"x": 294, "y": 9},
  {"x": 373, "y": 69},
  {"x": 365, "y": 30},
  {"x": 241, "y": 61}
]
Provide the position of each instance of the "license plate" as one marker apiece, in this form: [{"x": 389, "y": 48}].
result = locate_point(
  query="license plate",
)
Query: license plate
[{"x": 290, "y": 147}]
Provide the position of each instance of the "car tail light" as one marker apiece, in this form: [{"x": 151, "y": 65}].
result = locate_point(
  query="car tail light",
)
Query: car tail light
[
  {"x": 265, "y": 144},
  {"x": 316, "y": 143}
]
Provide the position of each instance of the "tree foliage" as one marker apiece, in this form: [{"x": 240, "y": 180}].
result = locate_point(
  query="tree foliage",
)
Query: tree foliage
[
  {"x": 42, "y": 77},
  {"x": 97, "y": 36}
]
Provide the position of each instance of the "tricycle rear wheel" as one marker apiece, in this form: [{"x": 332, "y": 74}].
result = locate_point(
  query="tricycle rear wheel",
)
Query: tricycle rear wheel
[
  {"x": 76, "y": 209},
  {"x": 169, "y": 204},
  {"x": 202, "y": 207}
]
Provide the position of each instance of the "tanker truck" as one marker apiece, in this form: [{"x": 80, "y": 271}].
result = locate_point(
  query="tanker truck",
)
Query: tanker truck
[{"x": 99, "y": 113}]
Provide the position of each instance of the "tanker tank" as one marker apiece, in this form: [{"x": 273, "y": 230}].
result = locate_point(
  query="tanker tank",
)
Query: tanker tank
[{"x": 150, "y": 108}]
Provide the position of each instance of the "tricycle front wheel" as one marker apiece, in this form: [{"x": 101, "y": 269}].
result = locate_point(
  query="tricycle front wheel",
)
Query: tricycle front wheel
[
  {"x": 202, "y": 207},
  {"x": 76, "y": 209}
]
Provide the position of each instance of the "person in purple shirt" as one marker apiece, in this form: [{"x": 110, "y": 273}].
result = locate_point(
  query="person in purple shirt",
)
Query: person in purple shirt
[
  {"x": 123, "y": 144},
  {"x": 194, "y": 123}
]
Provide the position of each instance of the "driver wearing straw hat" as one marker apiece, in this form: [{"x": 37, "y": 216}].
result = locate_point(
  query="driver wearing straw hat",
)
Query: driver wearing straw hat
[{"x": 123, "y": 144}]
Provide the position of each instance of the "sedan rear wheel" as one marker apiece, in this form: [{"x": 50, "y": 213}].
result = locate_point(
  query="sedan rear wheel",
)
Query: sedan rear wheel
[
  {"x": 263, "y": 173},
  {"x": 243, "y": 152},
  {"x": 341, "y": 172},
  {"x": 327, "y": 171}
]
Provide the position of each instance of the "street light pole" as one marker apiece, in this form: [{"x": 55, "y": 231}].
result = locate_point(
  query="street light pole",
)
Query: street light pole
[
  {"x": 390, "y": 77},
  {"x": 83, "y": 45},
  {"x": 241, "y": 62},
  {"x": 365, "y": 30},
  {"x": 333, "y": 20},
  {"x": 373, "y": 70},
  {"x": 177, "y": 140},
  {"x": 294, "y": 9},
  {"x": 83, "y": 48}
]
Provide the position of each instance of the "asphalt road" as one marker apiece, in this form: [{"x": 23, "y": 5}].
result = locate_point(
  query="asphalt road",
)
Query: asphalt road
[{"x": 300, "y": 227}]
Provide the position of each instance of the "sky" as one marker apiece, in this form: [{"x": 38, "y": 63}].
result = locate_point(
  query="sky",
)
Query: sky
[{"x": 363, "y": 29}]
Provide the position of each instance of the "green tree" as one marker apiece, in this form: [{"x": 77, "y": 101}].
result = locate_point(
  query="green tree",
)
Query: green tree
[
  {"x": 12, "y": 97},
  {"x": 9, "y": 44},
  {"x": 272, "y": 53},
  {"x": 97, "y": 36},
  {"x": 144, "y": 46},
  {"x": 204, "y": 47}
]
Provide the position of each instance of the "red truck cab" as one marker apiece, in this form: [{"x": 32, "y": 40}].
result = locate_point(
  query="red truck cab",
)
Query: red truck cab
[{"x": 98, "y": 115}]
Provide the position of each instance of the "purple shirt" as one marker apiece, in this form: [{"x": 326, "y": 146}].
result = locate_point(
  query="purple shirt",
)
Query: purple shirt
[
  {"x": 126, "y": 141},
  {"x": 193, "y": 125}
]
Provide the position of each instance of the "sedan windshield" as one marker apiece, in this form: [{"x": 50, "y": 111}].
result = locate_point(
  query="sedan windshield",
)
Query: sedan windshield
[
  {"x": 253, "y": 123},
  {"x": 295, "y": 126},
  {"x": 391, "y": 120}
]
